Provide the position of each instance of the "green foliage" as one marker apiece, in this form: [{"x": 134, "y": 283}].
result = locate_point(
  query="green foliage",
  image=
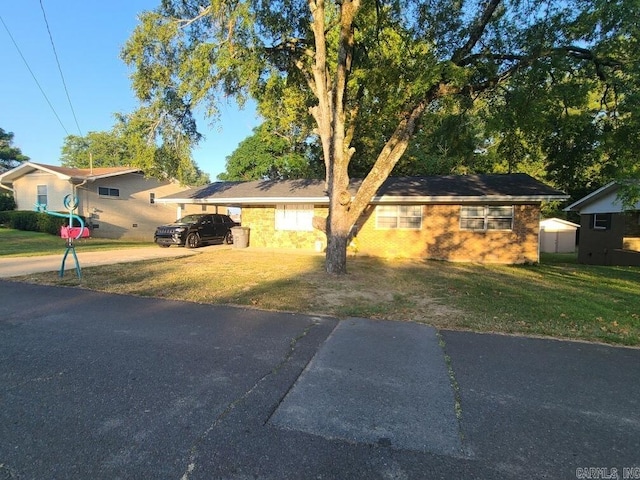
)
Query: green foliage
[
  {"x": 10, "y": 157},
  {"x": 100, "y": 149},
  {"x": 32, "y": 221},
  {"x": 267, "y": 155},
  {"x": 4, "y": 217},
  {"x": 543, "y": 120},
  {"x": 127, "y": 144},
  {"x": 7, "y": 202}
]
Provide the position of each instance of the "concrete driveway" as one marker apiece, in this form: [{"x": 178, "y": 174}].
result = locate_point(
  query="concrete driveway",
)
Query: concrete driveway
[
  {"x": 106, "y": 386},
  {"x": 18, "y": 266}
]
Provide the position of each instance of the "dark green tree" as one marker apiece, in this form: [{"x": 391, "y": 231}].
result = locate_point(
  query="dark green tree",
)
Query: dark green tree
[
  {"x": 267, "y": 154},
  {"x": 10, "y": 156}
]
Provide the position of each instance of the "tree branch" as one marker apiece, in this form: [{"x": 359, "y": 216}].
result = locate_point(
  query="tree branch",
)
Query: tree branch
[
  {"x": 476, "y": 32},
  {"x": 183, "y": 23},
  {"x": 569, "y": 50},
  {"x": 392, "y": 151}
]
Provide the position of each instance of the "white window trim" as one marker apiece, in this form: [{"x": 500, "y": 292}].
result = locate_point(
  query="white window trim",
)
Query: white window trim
[
  {"x": 398, "y": 216},
  {"x": 607, "y": 221},
  {"x": 45, "y": 194},
  {"x": 486, "y": 217},
  {"x": 294, "y": 217}
]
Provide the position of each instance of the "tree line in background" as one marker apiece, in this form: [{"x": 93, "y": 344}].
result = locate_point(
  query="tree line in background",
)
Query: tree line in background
[{"x": 10, "y": 157}]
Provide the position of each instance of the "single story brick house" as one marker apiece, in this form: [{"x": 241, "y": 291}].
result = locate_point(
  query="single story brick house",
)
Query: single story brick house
[
  {"x": 609, "y": 231},
  {"x": 466, "y": 218},
  {"x": 117, "y": 202}
]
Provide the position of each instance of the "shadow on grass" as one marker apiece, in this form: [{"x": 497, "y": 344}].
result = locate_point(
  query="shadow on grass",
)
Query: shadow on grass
[{"x": 559, "y": 298}]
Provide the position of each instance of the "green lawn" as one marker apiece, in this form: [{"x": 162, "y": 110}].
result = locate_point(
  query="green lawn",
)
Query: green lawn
[
  {"x": 17, "y": 243},
  {"x": 558, "y": 297}
]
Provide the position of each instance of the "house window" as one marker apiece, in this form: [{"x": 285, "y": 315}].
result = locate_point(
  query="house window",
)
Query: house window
[
  {"x": 152, "y": 198},
  {"x": 108, "y": 192},
  {"x": 486, "y": 217},
  {"x": 601, "y": 221},
  {"x": 294, "y": 217},
  {"x": 42, "y": 195},
  {"x": 399, "y": 217}
]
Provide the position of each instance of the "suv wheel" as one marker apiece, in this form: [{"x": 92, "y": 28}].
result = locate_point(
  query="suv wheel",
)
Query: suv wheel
[
  {"x": 228, "y": 238},
  {"x": 193, "y": 241}
]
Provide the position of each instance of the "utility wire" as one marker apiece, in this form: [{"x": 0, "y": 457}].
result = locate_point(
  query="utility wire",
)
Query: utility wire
[
  {"x": 64, "y": 84},
  {"x": 33, "y": 75}
]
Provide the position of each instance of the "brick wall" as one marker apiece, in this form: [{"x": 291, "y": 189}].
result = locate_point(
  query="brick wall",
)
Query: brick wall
[{"x": 439, "y": 238}]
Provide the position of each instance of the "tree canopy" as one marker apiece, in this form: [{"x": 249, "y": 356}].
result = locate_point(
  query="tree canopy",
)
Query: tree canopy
[
  {"x": 127, "y": 145},
  {"x": 370, "y": 76},
  {"x": 267, "y": 154},
  {"x": 10, "y": 156}
]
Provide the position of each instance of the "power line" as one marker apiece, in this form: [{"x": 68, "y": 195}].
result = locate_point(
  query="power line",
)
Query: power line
[
  {"x": 64, "y": 84},
  {"x": 33, "y": 75}
]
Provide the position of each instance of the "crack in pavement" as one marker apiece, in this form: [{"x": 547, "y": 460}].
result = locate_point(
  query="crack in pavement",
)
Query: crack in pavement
[{"x": 232, "y": 405}]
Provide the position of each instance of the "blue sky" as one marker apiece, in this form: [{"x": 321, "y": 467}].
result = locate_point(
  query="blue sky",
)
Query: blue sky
[{"x": 88, "y": 37}]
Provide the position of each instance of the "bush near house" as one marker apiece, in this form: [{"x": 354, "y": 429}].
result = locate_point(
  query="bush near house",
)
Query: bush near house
[
  {"x": 7, "y": 202},
  {"x": 33, "y": 221}
]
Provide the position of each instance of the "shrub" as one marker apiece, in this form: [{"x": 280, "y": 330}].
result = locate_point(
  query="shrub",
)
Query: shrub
[
  {"x": 7, "y": 202},
  {"x": 34, "y": 221},
  {"x": 4, "y": 218},
  {"x": 50, "y": 224},
  {"x": 24, "y": 220}
]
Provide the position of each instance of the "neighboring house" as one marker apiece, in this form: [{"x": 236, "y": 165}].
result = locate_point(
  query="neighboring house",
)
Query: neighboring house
[
  {"x": 475, "y": 218},
  {"x": 117, "y": 202},
  {"x": 558, "y": 235},
  {"x": 609, "y": 231}
]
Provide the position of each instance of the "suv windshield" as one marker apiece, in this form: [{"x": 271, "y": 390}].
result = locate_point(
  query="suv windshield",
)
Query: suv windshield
[{"x": 190, "y": 219}]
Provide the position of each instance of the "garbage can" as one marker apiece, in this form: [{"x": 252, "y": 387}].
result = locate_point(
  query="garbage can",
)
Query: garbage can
[{"x": 240, "y": 237}]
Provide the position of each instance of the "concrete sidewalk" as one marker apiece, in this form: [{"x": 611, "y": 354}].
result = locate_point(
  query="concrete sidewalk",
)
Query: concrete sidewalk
[{"x": 18, "y": 266}]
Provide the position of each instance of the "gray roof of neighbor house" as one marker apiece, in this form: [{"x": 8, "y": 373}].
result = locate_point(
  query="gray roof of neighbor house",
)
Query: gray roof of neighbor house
[
  {"x": 437, "y": 189},
  {"x": 604, "y": 200},
  {"x": 74, "y": 175}
]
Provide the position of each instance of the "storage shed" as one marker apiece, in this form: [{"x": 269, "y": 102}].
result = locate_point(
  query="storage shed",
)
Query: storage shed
[{"x": 558, "y": 236}]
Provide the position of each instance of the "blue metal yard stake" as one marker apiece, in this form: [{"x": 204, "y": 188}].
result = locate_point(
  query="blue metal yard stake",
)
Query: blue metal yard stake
[{"x": 70, "y": 203}]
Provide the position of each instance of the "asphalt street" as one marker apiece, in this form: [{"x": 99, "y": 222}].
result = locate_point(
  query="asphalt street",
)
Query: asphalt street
[{"x": 100, "y": 386}]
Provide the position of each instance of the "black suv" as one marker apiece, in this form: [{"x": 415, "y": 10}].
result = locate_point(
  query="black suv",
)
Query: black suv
[{"x": 193, "y": 231}]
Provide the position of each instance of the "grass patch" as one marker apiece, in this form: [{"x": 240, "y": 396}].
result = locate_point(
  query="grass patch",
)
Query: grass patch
[
  {"x": 557, "y": 298},
  {"x": 18, "y": 243}
]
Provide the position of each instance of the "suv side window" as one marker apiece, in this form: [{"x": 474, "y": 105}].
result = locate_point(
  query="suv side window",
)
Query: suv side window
[{"x": 217, "y": 219}]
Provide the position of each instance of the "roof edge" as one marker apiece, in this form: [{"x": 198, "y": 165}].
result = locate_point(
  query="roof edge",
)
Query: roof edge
[
  {"x": 374, "y": 200},
  {"x": 577, "y": 205}
]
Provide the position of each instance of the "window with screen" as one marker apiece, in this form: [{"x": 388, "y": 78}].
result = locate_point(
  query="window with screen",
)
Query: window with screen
[
  {"x": 407, "y": 217},
  {"x": 486, "y": 217}
]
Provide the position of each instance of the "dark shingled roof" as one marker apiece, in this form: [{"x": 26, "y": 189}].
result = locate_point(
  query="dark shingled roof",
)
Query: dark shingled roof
[{"x": 499, "y": 185}]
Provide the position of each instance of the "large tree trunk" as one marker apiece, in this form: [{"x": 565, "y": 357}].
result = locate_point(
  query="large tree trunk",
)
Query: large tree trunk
[
  {"x": 336, "y": 255},
  {"x": 330, "y": 113},
  {"x": 339, "y": 225}
]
